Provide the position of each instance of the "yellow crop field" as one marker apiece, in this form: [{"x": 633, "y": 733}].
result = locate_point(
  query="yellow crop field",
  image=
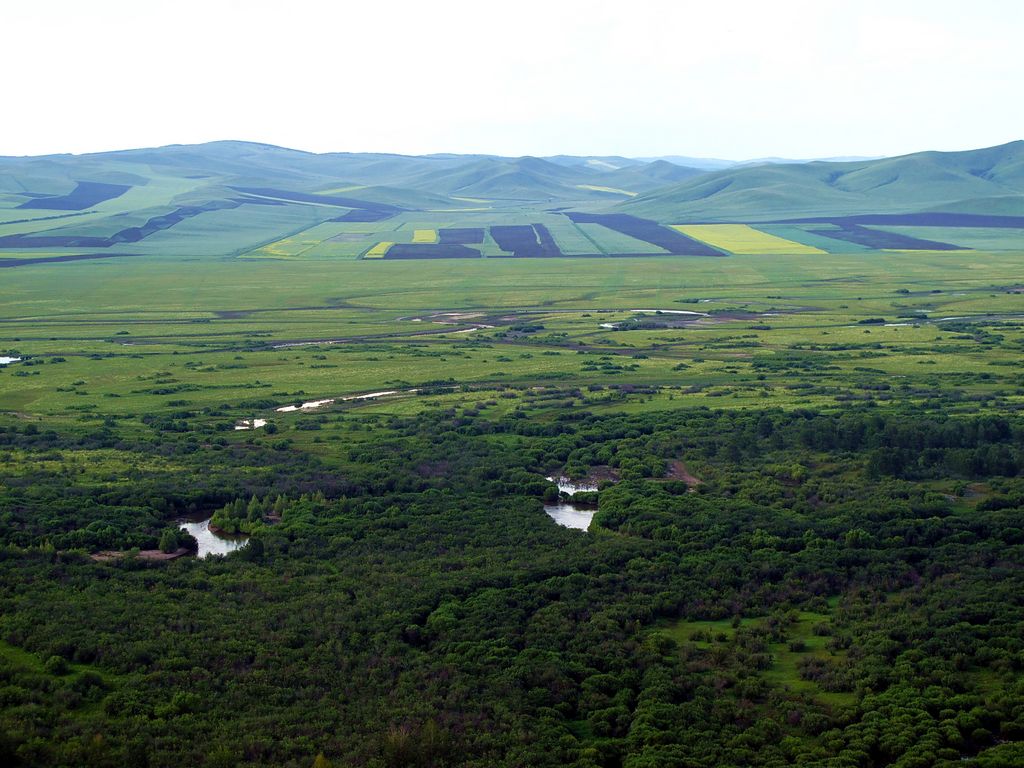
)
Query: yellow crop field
[
  {"x": 612, "y": 190},
  {"x": 340, "y": 190},
  {"x": 424, "y": 236},
  {"x": 288, "y": 248},
  {"x": 743, "y": 239},
  {"x": 378, "y": 251}
]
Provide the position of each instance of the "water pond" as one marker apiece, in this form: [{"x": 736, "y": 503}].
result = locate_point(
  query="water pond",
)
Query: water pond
[
  {"x": 251, "y": 424},
  {"x": 565, "y": 512},
  {"x": 569, "y": 515},
  {"x": 210, "y": 542}
]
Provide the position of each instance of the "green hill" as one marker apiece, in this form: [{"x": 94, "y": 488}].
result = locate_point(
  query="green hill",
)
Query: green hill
[
  {"x": 230, "y": 197},
  {"x": 951, "y": 181}
]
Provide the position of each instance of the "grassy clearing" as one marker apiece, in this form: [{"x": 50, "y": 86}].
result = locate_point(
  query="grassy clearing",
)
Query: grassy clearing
[
  {"x": 30, "y": 662},
  {"x": 801, "y": 642}
]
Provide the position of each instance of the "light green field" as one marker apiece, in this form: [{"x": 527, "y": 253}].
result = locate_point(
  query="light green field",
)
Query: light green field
[
  {"x": 609, "y": 241},
  {"x": 784, "y": 670},
  {"x": 976, "y": 238},
  {"x": 129, "y": 337},
  {"x": 570, "y": 238}
]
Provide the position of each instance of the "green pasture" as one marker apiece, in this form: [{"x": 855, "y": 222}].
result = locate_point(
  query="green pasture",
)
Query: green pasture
[{"x": 134, "y": 336}]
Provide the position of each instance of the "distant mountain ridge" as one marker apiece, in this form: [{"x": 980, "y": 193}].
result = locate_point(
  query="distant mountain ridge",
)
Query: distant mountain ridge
[{"x": 677, "y": 189}]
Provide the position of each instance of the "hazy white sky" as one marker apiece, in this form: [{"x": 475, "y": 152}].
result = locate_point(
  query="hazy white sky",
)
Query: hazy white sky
[{"x": 795, "y": 78}]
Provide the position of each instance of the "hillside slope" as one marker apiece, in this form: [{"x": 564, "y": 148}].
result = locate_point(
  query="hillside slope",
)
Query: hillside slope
[{"x": 953, "y": 181}]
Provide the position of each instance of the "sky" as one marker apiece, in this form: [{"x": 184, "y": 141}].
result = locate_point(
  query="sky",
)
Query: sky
[{"x": 729, "y": 79}]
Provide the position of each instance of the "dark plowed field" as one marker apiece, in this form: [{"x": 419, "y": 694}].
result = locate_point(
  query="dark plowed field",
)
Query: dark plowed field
[
  {"x": 363, "y": 215},
  {"x": 85, "y": 195},
  {"x": 526, "y": 241},
  {"x": 129, "y": 234},
  {"x": 431, "y": 251},
  {"x": 11, "y": 263},
  {"x": 876, "y": 238},
  {"x": 652, "y": 232},
  {"x": 461, "y": 235}
]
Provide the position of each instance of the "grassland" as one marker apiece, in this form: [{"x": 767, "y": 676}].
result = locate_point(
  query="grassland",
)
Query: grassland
[{"x": 154, "y": 336}]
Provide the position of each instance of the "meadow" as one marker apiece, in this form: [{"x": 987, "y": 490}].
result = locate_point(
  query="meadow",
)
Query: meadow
[{"x": 142, "y": 336}]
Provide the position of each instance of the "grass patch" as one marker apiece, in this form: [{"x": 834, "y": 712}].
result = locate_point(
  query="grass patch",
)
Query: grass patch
[{"x": 800, "y": 643}]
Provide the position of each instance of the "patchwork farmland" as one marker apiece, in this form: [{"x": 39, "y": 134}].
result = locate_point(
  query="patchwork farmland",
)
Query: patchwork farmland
[{"x": 250, "y": 202}]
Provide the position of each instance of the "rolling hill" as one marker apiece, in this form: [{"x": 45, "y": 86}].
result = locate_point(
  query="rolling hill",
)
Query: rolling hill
[
  {"x": 233, "y": 198},
  {"x": 977, "y": 181}
]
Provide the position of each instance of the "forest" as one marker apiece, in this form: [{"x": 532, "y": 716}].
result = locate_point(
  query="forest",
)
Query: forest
[{"x": 835, "y": 589}]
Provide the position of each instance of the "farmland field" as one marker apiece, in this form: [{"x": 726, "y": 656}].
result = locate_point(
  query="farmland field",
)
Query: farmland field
[
  {"x": 882, "y": 239},
  {"x": 808, "y": 453},
  {"x": 740, "y": 238},
  {"x": 379, "y": 251}
]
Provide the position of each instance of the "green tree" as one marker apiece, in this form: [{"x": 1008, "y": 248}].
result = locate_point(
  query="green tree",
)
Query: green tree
[
  {"x": 56, "y": 665},
  {"x": 169, "y": 540}
]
